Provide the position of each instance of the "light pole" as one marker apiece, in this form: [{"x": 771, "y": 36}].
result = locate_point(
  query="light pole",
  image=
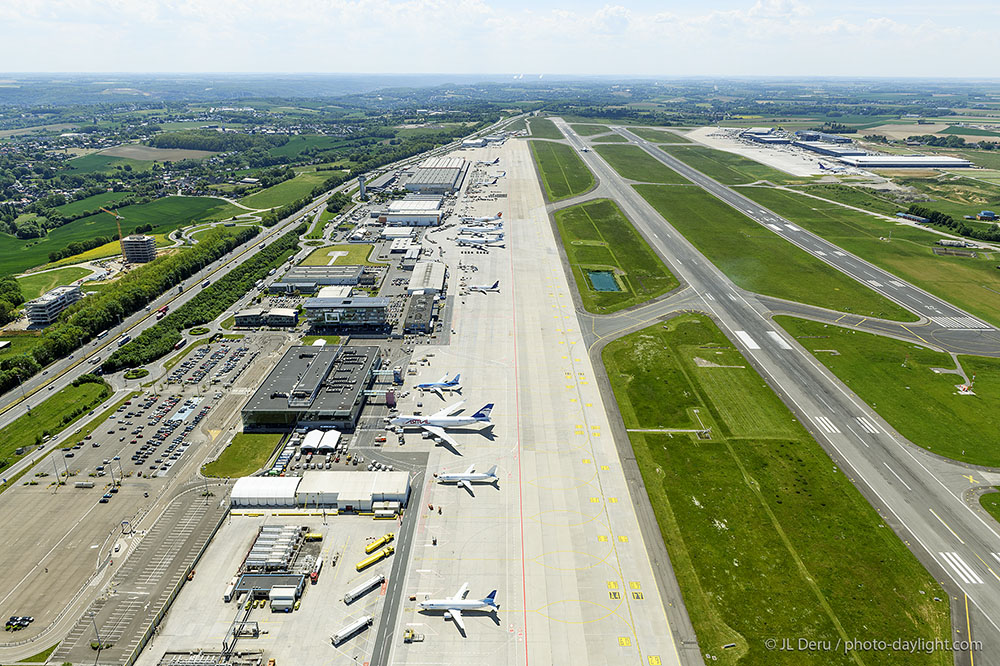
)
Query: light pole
[{"x": 96, "y": 633}]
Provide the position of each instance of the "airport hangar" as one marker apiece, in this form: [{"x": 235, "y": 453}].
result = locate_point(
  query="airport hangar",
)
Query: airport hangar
[
  {"x": 313, "y": 386},
  {"x": 338, "y": 489}
]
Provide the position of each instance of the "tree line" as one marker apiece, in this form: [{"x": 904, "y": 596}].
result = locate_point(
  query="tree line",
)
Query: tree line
[
  {"x": 219, "y": 142},
  {"x": 208, "y": 304},
  {"x": 987, "y": 233},
  {"x": 10, "y": 298},
  {"x": 81, "y": 322}
]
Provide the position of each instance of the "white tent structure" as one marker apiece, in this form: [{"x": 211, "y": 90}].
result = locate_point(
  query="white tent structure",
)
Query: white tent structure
[
  {"x": 311, "y": 441},
  {"x": 329, "y": 443},
  {"x": 270, "y": 491}
]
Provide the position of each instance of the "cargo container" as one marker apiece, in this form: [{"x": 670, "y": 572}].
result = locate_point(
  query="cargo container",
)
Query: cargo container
[
  {"x": 378, "y": 543},
  {"x": 352, "y": 628},
  {"x": 363, "y": 587},
  {"x": 372, "y": 559}
]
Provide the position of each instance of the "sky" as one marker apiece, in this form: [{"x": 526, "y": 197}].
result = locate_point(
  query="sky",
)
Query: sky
[{"x": 667, "y": 38}]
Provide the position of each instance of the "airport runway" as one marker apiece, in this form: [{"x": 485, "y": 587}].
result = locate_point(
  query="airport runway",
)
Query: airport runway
[{"x": 921, "y": 496}]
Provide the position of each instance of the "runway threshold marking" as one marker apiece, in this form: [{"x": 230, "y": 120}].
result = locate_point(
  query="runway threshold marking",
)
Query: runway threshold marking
[
  {"x": 867, "y": 425},
  {"x": 964, "y": 571},
  {"x": 778, "y": 340},
  {"x": 826, "y": 424}
]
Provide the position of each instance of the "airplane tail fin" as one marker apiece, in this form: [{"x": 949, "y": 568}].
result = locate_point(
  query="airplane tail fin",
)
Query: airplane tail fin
[
  {"x": 457, "y": 377},
  {"x": 492, "y": 471},
  {"x": 491, "y": 599},
  {"x": 499, "y": 215},
  {"x": 484, "y": 413},
  {"x": 496, "y": 285}
]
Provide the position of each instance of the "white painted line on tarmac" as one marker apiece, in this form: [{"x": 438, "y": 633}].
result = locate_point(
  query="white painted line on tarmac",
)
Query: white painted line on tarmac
[
  {"x": 792, "y": 227},
  {"x": 820, "y": 253},
  {"x": 868, "y": 425},
  {"x": 826, "y": 424},
  {"x": 747, "y": 340},
  {"x": 780, "y": 341},
  {"x": 839, "y": 253},
  {"x": 964, "y": 571},
  {"x": 897, "y": 476},
  {"x": 774, "y": 226}
]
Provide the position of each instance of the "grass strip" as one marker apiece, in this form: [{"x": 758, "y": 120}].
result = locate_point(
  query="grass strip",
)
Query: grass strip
[
  {"x": 243, "y": 456},
  {"x": 563, "y": 172},
  {"x": 634, "y": 163},
  {"x": 729, "y": 168}
]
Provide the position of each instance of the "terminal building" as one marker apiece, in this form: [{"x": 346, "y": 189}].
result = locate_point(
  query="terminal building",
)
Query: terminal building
[
  {"x": 359, "y": 312},
  {"x": 45, "y": 309},
  {"x": 428, "y": 278},
  {"x": 906, "y": 162},
  {"x": 139, "y": 249},
  {"x": 313, "y": 387},
  {"x": 812, "y": 135},
  {"x": 833, "y": 150}
]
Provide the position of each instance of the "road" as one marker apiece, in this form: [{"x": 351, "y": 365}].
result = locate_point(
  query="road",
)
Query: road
[{"x": 921, "y": 496}]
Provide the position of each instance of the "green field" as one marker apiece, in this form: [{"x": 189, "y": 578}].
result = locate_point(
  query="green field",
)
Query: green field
[
  {"x": 106, "y": 200},
  {"x": 563, "y": 172},
  {"x": 991, "y": 502},
  {"x": 597, "y": 235},
  {"x": 357, "y": 254},
  {"x": 543, "y": 128},
  {"x": 97, "y": 163},
  {"x": 296, "y": 144},
  {"x": 42, "y": 656},
  {"x": 610, "y": 138},
  {"x": 729, "y": 168},
  {"x": 290, "y": 190},
  {"x": 166, "y": 214},
  {"x": 758, "y": 260},
  {"x": 967, "y": 131},
  {"x": 36, "y": 284},
  {"x": 20, "y": 343},
  {"x": 634, "y": 163},
  {"x": 970, "y": 283},
  {"x": 102, "y": 251},
  {"x": 590, "y": 130},
  {"x": 767, "y": 537},
  {"x": 851, "y": 196},
  {"x": 243, "y": 456},
  {"x": 922, "y": 405},
  {"x": 47, "y": 417},
  {"x": 659, "y": 136}
]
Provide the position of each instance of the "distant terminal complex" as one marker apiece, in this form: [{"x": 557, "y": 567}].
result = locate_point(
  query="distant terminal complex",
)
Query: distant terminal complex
[
  {"x": 139, "y": 249},
  {"x": 825, "y": 148},
  {"x": 437, "y": 175},
  {"x": 316, "y": 386},
  {"x": 355, "y": 312},
  {"x": 46, "y": 308},
  {"x": 905, "y": 161},
  {"x": 346, "y": 491},
  {"x": 811, "y": 135}
]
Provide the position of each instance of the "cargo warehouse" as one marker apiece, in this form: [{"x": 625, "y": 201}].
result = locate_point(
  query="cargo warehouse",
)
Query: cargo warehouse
[
  {"x": 437, "y": 175},
  {"x": 419, "y": 314},
  {"x": 337, "y": 490},
  {"x": 906, "y": 162},
  {"x": 313, "y": 386}
]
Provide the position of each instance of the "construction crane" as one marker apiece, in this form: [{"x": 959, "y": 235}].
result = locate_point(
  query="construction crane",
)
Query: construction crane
[{"x": 118, "y": 219}]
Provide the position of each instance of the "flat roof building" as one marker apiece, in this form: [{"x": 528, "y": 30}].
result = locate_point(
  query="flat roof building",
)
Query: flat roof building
[
  {"x": 831, "y": 149},
  {"x": 45, "y": 309},
  {"x": 272, "y": 491},
  {"x": 428, "y": 278},
  {"x": 398, "y": 232},
  {"x": 313, "y": 387},
  {"x": 383, "y": 182},
  {"x": 355, "y": 312},
  {"x": 289, "y": 287},
  {"x": 139, "y": 249},
  {"x": 473, "y": 143},
  {"x": 768, "y": 139},
  {"x": 351, "y": 490},
  {"x": 437, "y": 175},
  {"x": 443, "y": 163},
  {"x": 323, "y": 275},
  {"x": 255, "y": 317},
  {"x": 419, "y": 314},
  {"x": 906, "y": 162},
  {"x": 335, "y": 291},
  {"x": 415, "y": 211},
  {"x": 400, "y": 245}
]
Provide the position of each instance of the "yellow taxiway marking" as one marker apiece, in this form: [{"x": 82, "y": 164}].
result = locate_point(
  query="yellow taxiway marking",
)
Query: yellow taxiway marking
[
  {"x": 987, "y": 566},
  {"x": 971, "y": 478},
  {"x": 637, "y": 595},
  {"x": 654, "y": 660},
  {"x": 624, "y": 641},
  {"x": 622, "y": 538},
  {"x": 968, "y": 631},
  {"x": 605, "y": 468},
  {"x": 615, "y": 595},
  {"x": 613, "y": 500},
  {"x": 912, "y": 333},
  {"x": 602, "y": 538},
  {"x": 612, "y": 585},
  {"x": 587, "y": 461},
  {"x": 634, "y": 584},
  {"x": 946, "y": 525}
]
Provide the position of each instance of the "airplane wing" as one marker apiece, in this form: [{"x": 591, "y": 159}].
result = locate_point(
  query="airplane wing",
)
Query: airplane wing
[
  {"x": 465, "y": 484},
  {"x": 456, "y": 615},
  {"x": 472, "y": 468},
  {"x": 439, "y": 432},
  {"x": 437, "y": 390},
  {"x": 448, "y": 411},
  {"x": 443, "y": 379},
  {"x": 464, "y": 590}
]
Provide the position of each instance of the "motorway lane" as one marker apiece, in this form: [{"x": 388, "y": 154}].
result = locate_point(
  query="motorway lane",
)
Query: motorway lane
[{"x": 901, "y": 480}]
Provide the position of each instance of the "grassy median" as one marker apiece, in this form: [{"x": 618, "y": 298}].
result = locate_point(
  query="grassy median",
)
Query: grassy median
[
  {"x": 758, "y": 260},
  {"x": 768, "y": 538},
  {"x": 730, "y": 168},
  {"x": 634, "y": 163},
  {"x": 563, "y": 172},
  {"x": 543, "y": 128},
  {"x": 246, "y": 454},
  {"x": 597, "y": 236},
  {"x": 897, "y": 380}
]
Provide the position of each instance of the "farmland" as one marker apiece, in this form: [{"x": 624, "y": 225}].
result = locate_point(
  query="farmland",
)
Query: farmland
[
  {"x": 287, "y": 191},
  {"x": 105, "y": 200},
  {"x": 137, "y": 151}
]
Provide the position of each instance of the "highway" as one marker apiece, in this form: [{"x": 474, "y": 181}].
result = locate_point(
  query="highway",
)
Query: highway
[{"x": 921, "y": 496}]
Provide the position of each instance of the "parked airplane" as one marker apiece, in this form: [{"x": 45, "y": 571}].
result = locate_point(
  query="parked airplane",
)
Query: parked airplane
[
  {"x": 453, "y": 607},
  {"x": 834, "y": 169},
  {"x": 495, "y": 229},
  {"x": 485, "y": 288},
  {"x": 483, "y": 219},
  {"x": 480, "y": 242},
  {"x": 470, "y": 476},
  {"x": 436, "y": 423},
  {"x": 485, "y": 163},
  {"x": 441, "y": 385}
]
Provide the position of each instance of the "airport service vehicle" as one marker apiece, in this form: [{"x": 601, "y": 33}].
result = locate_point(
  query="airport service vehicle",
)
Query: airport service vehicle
[
  {"x": 480, "y": 242},
  {"x": 483, "y": 220},
  {"x": 377, "y": 557},
  {"x": 481, "y": 231},
  {"x": 363, "y": 587},
  {"x": 436, "y": 423},
  {"x": 469, "y": 476},
  {"x": 83, "y": 484},
  {"x": 441, "y": 385},
  {"x": 486, "y": 288},
  {"x": 379, "y": 542},
  {"x": 453, "y": 607},
  {"x": 122, "y": 341},
  {"x": 314, "y": 576},
  {"x": 351, "y": 629}
]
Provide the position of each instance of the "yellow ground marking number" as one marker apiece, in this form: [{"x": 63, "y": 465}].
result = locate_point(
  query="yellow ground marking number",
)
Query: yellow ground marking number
[{"x": 624, "y": 641}]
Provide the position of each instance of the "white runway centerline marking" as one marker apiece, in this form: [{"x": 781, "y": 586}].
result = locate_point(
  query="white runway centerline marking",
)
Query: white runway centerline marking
[
  {"x": 963, "y": 570},
  {"x": 780, "y": 341},
  {"x": 820, "y": 253},
  {"x": 792, "y": 227},
  {"x": 839, "y": 253},
  {"x": 897, "y": 476},
  {"x": 747, "y": 340},
  {"x": 826, "y": 424}
]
